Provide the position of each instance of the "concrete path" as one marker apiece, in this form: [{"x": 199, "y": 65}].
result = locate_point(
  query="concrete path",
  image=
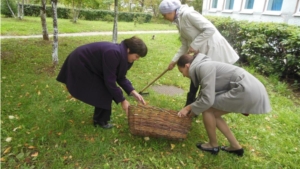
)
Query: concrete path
[{"x": 90, "y": 34}]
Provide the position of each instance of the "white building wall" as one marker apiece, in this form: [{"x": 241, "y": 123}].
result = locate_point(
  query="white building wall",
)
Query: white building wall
[{"x": 289, "y": 11}]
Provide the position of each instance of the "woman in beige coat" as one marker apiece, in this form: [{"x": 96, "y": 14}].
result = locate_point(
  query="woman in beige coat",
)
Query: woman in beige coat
[
  {"x": 197, "y": 35},
  {"x": 224, "y": 88}
]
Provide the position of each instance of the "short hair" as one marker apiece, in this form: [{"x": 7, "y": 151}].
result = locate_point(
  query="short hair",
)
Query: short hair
[
  {"x": 136, "y": 45},
  {"x": 184, "y": 59}
]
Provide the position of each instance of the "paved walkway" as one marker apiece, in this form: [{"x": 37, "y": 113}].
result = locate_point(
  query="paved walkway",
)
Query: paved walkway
[{"x": 90, "y": 34}]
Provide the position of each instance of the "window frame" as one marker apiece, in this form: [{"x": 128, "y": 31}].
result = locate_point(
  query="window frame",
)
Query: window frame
[
  {"x": 228, "y": 10},
  {"x": 246, "y": 11},
  {"x": 297, "y": 12},
  {"x": 270, "y": 12},
  {"x": 210, "y": 6}
]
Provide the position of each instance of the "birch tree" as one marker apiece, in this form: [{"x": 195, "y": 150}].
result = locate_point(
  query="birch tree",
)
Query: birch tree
[
  {"x": 115, "y": 29},
  {"x": 76, "y": 5},
  {"x": 55, "y": 33},
  {"x": 43, "y": 19},
  {"x": 20, "y": 9},
  {"x": 12, "y": 12}
]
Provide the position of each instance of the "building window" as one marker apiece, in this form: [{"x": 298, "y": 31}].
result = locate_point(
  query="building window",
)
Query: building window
[
  {"x": 249, "y": 4},
  {"x": 297, "y": 13},
  {"x": 274, "y": 5},
  {"x": 214, "y": 4},
  {"x": 229, "y": 4}
]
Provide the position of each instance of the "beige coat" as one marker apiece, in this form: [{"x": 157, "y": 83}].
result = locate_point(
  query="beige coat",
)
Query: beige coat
[
  {"x": 199, "y": 33},
  {"x": 227, "y": 87}
]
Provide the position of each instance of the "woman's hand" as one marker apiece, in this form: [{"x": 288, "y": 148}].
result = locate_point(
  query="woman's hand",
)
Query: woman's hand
[
  {"x": 125, "y": 104},
  {"x": 184, "y": 112},
  {"x": 138, "y": 97},
  {"x": 191, "y": 50},
  {"x": 171, "y": 65}
]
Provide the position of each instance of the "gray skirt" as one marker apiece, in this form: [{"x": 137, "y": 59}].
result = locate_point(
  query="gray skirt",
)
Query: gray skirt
[{"x": 246, "y": 95}]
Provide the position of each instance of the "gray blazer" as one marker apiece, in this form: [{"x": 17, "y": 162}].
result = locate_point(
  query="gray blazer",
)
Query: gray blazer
[{"x": 227, "y": 87}]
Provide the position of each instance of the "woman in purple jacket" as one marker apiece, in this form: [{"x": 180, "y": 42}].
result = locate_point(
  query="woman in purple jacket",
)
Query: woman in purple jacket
[{"x": 91, "y": 72}]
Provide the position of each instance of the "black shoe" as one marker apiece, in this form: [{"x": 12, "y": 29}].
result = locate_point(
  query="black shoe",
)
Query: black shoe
[
  {"x": 103, "y": 125},
  {"x": 214, "y": 150},
  {"x": 239, "y": 152}
]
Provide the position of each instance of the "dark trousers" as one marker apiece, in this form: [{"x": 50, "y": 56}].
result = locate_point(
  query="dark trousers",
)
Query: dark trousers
[
  {"x": 191, "y": 96},
  {"x": 101, "y": 115}
]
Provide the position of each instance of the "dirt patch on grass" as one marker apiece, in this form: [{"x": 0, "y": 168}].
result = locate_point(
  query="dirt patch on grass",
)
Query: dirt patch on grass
[
  {"x": 168, "y": 90},
  {"x": 48, "y": 69}
]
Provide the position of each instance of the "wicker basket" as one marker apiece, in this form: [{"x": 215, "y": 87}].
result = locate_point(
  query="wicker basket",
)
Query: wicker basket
[{"x": 155, "y": 122}]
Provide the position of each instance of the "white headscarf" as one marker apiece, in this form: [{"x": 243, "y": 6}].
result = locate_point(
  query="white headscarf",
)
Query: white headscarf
[{"x": 168, "y": 6}]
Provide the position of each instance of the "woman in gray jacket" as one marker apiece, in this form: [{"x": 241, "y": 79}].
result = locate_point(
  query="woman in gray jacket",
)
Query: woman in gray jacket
[
  {"x": 224, "y": 88},
  {"x": 197, "y": 35}
]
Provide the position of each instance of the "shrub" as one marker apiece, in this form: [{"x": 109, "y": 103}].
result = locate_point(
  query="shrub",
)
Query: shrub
[
  {"x": 272, "y": 48},
  {"x": 5, "y": 9},
  {"x": 108, "y": 18},
  {"x": 88, "y": 14}
]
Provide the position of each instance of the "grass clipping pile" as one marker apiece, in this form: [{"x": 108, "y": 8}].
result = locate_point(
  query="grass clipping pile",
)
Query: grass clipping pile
[{"x": 151, "y": 121}]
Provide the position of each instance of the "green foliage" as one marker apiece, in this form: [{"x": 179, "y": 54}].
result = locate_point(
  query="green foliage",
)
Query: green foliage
[
  {"x": 273, "y": 48},
  {"x": 197, "y": 4},
  {"x": 50, "y": 129},
  {"x": 108, "y": 18},
  {"x": 5, "y": 9},
  {"x": 87, "y": 14}
]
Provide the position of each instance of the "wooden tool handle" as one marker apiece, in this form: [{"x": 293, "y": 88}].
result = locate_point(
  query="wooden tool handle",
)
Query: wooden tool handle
[{"x": 153, "y": 81}]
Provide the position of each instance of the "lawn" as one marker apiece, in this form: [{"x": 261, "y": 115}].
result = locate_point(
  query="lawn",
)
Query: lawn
[
  {"x": 43, "y": 127},
  {"x": 15, "y": 27}
]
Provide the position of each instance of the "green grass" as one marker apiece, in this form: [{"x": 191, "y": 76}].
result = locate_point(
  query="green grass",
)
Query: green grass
[
  {"x": 51, "y": 130},
  {"x": 33, "y": 26}
]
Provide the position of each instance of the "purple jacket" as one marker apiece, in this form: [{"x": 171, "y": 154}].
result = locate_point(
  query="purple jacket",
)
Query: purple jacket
[{"x": 91, "y": 71}]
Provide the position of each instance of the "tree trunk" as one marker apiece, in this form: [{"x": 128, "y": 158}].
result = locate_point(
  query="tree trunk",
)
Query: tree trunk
[
  {"x": 43, "y": 19},
  {"x": 12, "y": 12},
  {"x": 115, "y": 29},
  {"x": 22, "y": 15},
  {"x": 55, "y": 33},
  {"x": 76, "y": 10},
  {"x": 19, "y": 12}
]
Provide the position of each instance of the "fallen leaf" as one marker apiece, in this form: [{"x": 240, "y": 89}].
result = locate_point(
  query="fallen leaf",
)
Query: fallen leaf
[
  {"x": 8, "y": 139},
  {"x": 201, "y": 155},
  {"x": 7, "y": 150},
  {"x": 11, "y": 117},
  {"x": 39, "y": 92},
  {"x": 182, "y": 163},
  {"x": 31, "y": 147},
  {"x": 2, "y": 159},
  {"x": 146, "y": 138},
  {"x": 172, "y": 146},
  {"x": 116, "y": 140},
  {"x": 15, "y": 129},
  {"x": 126, "y": 160},
  {"x": 35, "y": 154}
]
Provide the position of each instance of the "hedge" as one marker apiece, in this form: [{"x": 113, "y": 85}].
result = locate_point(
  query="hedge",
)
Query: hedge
[
  {"x": 63, "y": 13},
  {"x": 272, "y": 48}
]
